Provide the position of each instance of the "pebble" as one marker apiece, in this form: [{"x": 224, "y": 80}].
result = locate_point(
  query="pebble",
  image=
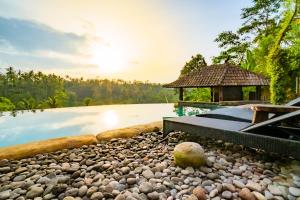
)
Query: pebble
[
  {"x": 19, "y": 178},
  {"x": 20, "y": 170},
  {"x": 199, "y": 192},
  {"x": 34, "y": 192},
  {"x": 246, "y": 194},
  {"x": 82, "y": 190},
  {"x": 238, "y": 184},
  {"x": 228, "y": 186},
  {"x": 254, "y": 186},
  {"x": 213, "y": 192},
  {"x": 274, "y": 190},
  {"x": 96, "y": 196},
  {"x": 212, "y": 176},
  {"x": 131, "y": 181},
  {"x": 69, "y": 198},
  {"x": 146, "y": 187},
  {"x": 4, "y": 194},
  {"x": 148, "y": 174},
  {"x": 153, "y": 195},
  {"x": 226, "y": 195},
  {"x": 259, "y": 196},
  {"x": 294, "y": 191}
]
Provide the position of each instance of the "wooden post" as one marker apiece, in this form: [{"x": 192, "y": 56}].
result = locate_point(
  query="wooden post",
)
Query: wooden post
[
  {"x": 258, "y": 93},
  {"x": 259, "y": 117},
  {"x": 221, "y": 93},
  {"x": 297, "y": 85},
  {"x": 211, "y": 95},
  {"x": 181, "y": 94}
]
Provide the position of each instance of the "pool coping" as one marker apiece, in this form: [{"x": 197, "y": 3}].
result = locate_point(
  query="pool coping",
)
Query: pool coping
[{"x": 46, "y": 146}]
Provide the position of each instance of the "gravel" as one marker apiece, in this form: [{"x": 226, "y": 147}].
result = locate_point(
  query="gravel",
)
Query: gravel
[{"x": 142, "y": 167}]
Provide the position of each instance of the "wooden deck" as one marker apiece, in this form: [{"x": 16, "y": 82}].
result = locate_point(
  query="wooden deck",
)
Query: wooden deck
[{"x": 221, "y": 103}]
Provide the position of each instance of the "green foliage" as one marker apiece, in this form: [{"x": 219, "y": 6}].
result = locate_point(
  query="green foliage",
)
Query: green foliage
[
  {"x": 260, "y": 19},
  {"x": 197, "y": 94},
  {"x": 28, "y": 104},
  {"x": 87, "y": 101},
  {"x": 234, "y": 48},
  {"x": 6, "y": 104},
  {"x": 30, "y": 90},
  {"x": 194, "y": 64},
  {"x": 57, "y": 100},
  {"x": 274, "y": 59},
  {"x": 249, "y": 63},
  {"x": 267, "y": 43},
  {"x": 247, "y": 90}
]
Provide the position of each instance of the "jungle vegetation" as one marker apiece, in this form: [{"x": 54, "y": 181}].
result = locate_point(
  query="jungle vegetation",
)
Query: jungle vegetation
[
  {"x": 268, "y": 42},
  {"x": 35, "y": 90}
]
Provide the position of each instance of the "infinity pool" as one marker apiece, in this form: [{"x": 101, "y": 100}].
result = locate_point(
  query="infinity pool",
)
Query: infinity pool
[{"x": 51, "y": 123}]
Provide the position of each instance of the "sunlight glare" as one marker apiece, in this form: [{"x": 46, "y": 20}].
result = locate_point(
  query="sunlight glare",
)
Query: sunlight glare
[
  {"x": 110, "y": 118},
  {"x": 110, "y": 59}
]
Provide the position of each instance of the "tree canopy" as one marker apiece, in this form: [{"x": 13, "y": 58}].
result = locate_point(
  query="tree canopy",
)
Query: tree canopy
[
  {"x": 35, "y": 90},
  {"x": 195, "y": 63},
  {"x": 268, "y": 43}
]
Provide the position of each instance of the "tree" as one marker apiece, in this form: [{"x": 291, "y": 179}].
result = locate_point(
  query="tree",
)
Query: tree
[
  {"x": 194, "y": 64},
  {"x": 259, "y": 22},
  {"x": 57, "y": 100},
  {"x": 234, "y": 48},
  {"x": 6, "y": 104},
  {"x": 35, "y": 90},
  {"x": 28, "y": 104},
  {"x": 261, "y": 18},
  {"x": 276, "y": 70},
  {"x": 87, "y": 101}
]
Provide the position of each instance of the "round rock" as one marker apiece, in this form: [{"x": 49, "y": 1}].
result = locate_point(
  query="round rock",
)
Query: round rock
[
  {"x": 145, "y": 187},
  {"x": 189, "y": 154},
  {"x": 199, "y": 192}
]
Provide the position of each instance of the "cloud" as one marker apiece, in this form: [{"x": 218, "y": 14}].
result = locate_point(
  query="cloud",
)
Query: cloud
[
  {"x": 29, "y": 36},
  {"x": 30, "y": 45}
]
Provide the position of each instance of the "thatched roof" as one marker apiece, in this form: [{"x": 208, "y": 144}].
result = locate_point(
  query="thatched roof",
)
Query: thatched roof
[{"x": 219, "y": 75}]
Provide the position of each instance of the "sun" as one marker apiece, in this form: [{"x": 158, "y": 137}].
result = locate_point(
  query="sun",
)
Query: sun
[{"x": 110, "y": 59}]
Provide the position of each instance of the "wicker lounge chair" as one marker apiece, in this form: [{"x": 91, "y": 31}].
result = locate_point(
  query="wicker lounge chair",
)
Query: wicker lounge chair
[
  {"x": 239, "y": 113},
  {"x": 277, "y": 135}
]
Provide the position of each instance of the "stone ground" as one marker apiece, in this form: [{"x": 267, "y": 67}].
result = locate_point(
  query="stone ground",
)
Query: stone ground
[{"x": 143, "y": 168}]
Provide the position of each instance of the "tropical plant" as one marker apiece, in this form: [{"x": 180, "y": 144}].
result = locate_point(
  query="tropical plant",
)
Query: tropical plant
[
  {"x": 195, "y": 63},
  {"x": 276, "y": 69},
  {"x": 6, "y": 104},
  {"x": 87, "y": 101}
]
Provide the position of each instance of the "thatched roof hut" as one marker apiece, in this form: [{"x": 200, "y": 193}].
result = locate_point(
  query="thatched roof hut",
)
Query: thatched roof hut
[{"x": 225, "y": 80}]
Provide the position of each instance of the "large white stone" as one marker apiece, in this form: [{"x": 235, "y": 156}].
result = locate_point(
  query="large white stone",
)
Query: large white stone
[{"x": 189, "y": 154}]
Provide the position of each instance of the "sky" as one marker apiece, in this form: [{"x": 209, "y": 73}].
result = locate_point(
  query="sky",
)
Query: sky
[{"x": 129, "y": 39}]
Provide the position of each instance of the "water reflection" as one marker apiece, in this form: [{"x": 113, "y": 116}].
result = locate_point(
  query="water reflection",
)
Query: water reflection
[
  {"x": 190, "y": 111},
  {"x": 14, "y": 113},
  {"x": 25, "y": 126},
  {"x": 110, "y": 118}
]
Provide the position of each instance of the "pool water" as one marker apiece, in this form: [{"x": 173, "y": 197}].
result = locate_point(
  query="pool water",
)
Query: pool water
[{"x": 28, "y": 126}]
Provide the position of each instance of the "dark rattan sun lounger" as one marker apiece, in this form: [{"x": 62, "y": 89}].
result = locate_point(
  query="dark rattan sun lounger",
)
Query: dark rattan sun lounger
[
  {"x": 231, "y": 113},
  {"x": 242, "y": 133},
  {"x": 242, "y": 114}
]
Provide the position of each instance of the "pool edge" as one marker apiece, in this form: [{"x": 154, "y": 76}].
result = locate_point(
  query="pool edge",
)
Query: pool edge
[{"x": 51, "y": 145}]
